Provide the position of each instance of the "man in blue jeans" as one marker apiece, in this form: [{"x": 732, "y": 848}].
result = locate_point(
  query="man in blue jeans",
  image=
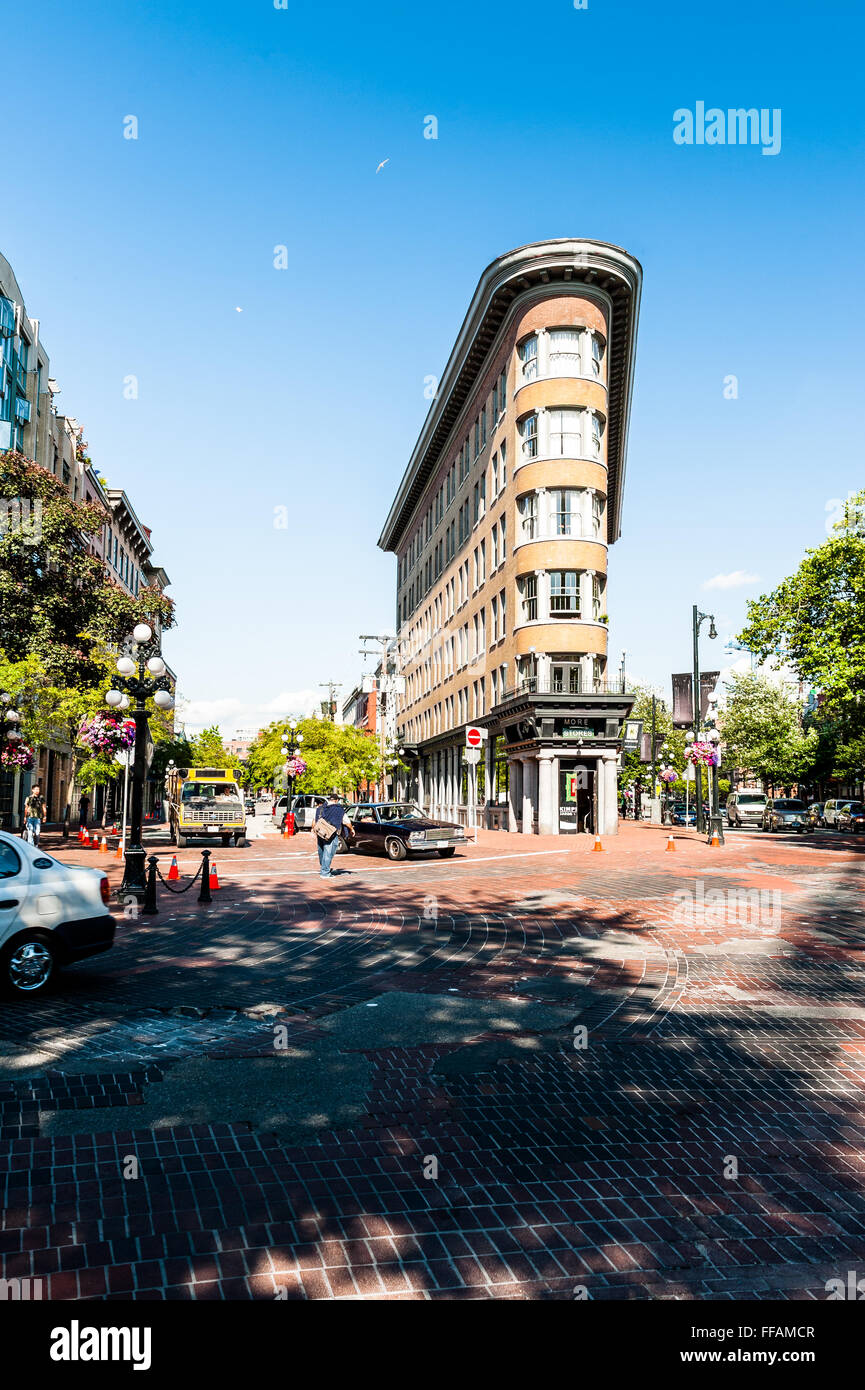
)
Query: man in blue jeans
[{"x": 333, "y": 814}]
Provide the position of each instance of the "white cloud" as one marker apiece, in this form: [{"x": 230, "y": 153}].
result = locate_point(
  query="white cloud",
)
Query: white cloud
[
  {"x": 737, "y": 579},
  {"x": 232, "y": 714}
]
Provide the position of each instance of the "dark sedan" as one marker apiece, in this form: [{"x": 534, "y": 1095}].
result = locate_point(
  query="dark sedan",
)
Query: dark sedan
[
  {"x": 682, "y": 815},
  {"x": 852, "y": 817},
  {"x": 785, "y": 813},
  {"x": 399, "y": 828}
]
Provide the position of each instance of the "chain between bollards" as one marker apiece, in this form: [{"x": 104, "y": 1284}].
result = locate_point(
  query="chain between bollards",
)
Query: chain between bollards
[{"x": 149, "y": 908}]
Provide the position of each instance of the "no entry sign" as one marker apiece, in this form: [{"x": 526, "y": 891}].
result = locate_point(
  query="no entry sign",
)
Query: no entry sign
[{"x": 475, "y": 736}]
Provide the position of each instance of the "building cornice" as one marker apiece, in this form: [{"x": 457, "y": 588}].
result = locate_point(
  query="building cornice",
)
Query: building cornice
[{"x": 549, "y": 267}]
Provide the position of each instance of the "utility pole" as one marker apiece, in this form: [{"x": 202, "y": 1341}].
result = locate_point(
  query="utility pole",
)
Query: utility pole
[
  {"x": 384, "y": 640},
  {"x": 697, "y": 621},
  {"x": 654, "y": 783},
  {"x": 330, "y": 687}
]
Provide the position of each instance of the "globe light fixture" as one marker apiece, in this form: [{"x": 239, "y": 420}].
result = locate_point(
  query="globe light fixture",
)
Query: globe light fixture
[
  {"x": 156, "y": 666},
  {"x": 164, "y": 699},
  {"x": 114, "y": 698},
  {"x": 142, "y": 632},
  {"x": 126, "y": 666}
]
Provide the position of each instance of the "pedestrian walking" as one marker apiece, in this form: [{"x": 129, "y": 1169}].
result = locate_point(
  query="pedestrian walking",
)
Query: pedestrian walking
[
  {"x": 34, "y": 814},
  {"x": 83, "y": 811},
  {"x": 330, "y": 820}
]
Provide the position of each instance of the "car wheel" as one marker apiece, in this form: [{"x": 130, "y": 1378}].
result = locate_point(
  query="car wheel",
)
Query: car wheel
[
  {"x": 395, "y": 849},
  {"x": 28, "y": 964},
  {"x": 182, "y": 841},
  {"x": 446, "y": 853},
  {"x": 240, "y": 842}
]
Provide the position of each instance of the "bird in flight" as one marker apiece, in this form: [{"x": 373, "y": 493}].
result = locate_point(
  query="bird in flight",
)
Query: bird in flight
[{"x": 383, "y": 163}]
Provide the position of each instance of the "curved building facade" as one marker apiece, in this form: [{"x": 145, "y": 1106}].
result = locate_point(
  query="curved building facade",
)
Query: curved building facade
[{"x": 502, "y": 527}]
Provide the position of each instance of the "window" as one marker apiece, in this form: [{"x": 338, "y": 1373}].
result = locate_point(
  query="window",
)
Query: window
[
  {"x": 495, "y": 686},
  {"x": 484, "y": 428},
  {"x": 494, "y": 476},
  {"x": 564, "y": 593},
  {"x": 503, "y": 391},
  {"x": 477, "y": 437},
  {"x": 502, "y": 617},
  {"x": 597, "y": 509},
  {"x": 494, "y": 620},
  {"x": 503, "y": 535},
  {"x": 565, "y": 352},
  {"x": 528, "y": 510},
  {"x": 527, "y": 672},
  {"x": 566, "y": 675},
  {"x": 494, "y": 547},
  {"x": 483, "y": 562},
  {"x": 596, "y": 597},
  {"x": 477, "y": 504},
  {"x": 529, "y": 586},
  {"x": 597, "y": 434},
  {"x": 529, "y": 359},
  {"x": 504, "y": 470},
  {"x": 529, "y": 433},
  {"x": 566, "y": 517},
  {"x": 597, "y": 353},
  {"x": 566, "y": 433}
]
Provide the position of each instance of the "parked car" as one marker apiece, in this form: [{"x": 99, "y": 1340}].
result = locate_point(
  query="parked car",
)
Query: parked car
[
  {"x": 250, "y": 806},
  {"x": 680, "y": 816},
  {"x": 50, "y": 914},
  {"x": 815, "y": 815},
  {"x": 279, "y": 807},
  {"x": 745, "y": 807},
  {"x": 832, "y": 810},
  {"x": 785, "y": 813},
  {"x": 852, "y": 817},
  {"x": 398, "y": 828},
  {"x": 304, "y": 806}
]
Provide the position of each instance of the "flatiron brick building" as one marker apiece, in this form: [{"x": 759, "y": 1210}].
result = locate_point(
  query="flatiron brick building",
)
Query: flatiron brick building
[{"x": 502, "y": 527}]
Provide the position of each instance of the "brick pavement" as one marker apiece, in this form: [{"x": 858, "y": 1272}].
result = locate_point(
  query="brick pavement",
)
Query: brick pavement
[{"x": 706, "y": 1142}]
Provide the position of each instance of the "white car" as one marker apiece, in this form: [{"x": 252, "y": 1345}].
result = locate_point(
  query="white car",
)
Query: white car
[{"x": 50, "y": 914}]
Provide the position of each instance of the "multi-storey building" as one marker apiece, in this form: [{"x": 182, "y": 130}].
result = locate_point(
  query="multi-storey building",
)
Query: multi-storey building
[{"x": 502, "y": 526}]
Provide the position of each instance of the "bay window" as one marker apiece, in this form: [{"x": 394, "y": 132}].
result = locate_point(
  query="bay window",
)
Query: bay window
[
  {"x": 565, "y": 352},
  {"x": 529, "y": 359},
  {"x": 566, "y": 433},
  {"x": 528, "y": 510},
  {"x": 597, "y": 434},
  {"x": 565, "y": 513},
  {"x": 529, "y": 435},
  {"x": 597, "y": 353},
  {"x": 529, "y": 595},
  {"x": 564, "y": 594}
]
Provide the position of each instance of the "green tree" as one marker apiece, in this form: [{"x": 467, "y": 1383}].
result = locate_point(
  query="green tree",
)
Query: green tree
[
  {"x": 56, "y": 600},
  {"x": 814, "y": 622},
  {"x": 338, "y": 756},
  {"x": 208, "y": 750},
  {"x": 632, "y": 768},
  {"x": 762, "y": 731}
]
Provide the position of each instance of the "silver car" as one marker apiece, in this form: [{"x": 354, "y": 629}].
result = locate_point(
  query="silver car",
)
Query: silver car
[
  {"x": 785, "y": 813},
  {"x": 746, "y": 808}
]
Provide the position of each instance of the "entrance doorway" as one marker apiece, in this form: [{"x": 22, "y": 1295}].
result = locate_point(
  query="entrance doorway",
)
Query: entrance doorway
[{"x": 577, "y": 810}]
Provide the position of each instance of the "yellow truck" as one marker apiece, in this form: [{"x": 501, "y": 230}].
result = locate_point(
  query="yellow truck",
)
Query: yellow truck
[{"x": 204, "y": 802}]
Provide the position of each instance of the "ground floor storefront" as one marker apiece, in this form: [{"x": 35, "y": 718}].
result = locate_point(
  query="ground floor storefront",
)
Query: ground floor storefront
[{"x": 548, "y": 766}]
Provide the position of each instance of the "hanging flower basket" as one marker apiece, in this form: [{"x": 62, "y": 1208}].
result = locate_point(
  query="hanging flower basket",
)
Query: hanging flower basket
[
  {"x": 704, "y": 754},
  {"x": 18, "y": 757},
  {"x": 107, "y": 733},
  {"x": 295, "y": 767},
  {"x": 668, "y": 774}
]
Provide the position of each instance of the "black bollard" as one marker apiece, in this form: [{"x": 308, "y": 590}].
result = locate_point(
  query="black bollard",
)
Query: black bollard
[
  {"x": 205, "y": 895},
  {"x": 150, "y": 909}
]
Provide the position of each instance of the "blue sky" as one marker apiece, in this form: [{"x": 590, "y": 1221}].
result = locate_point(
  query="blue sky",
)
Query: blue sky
[{"x": 261, "y": 127}]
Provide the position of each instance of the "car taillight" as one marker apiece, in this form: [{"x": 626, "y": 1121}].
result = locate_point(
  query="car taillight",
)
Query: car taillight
[{"x": 105, "y": 890}]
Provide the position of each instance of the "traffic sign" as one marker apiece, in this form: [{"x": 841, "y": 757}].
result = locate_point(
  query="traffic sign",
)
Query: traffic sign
[
  {"x": 475, "y": 736},
  {"x": 472, "y": 755}
]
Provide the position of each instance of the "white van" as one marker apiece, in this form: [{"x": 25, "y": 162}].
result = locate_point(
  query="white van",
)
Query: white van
[
  {"x": 746, "y": 807},
  {"x": 832, "y": 809}
]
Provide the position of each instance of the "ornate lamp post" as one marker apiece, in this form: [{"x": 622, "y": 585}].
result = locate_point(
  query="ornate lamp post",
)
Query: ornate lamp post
[
  {"x": 141, "y": 675},
  {"x": 291, "y": 741},
  {"x": 10, "y": 733},
  {"x": 697, "y": 622},
  {"x": 715, "y": 823}
]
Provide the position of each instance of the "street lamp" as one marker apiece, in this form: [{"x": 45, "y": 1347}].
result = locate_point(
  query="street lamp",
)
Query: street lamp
[
  {"x": 291, "y": 741},
  {"x": 715, "y": 824},
  {"x": 10, "y": 732},
  {"x": 141, "y": 675},
  {"x": 697, "y": 622}
]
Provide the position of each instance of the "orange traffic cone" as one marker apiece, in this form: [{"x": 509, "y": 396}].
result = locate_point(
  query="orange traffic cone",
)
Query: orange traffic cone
[
  {"x": 85, "y": 837},
  {"x": 597, "y": 847},
  {"x": 671, "y": 845},
  {"x": 118, "y": 853},
  {"x": 714, "y": 843},
  {"x": 81, "y": 834},
  {"x": 214, "y": 880},
  {"x": 103, "y": 845},
  {"x": 173, "y": 872}
]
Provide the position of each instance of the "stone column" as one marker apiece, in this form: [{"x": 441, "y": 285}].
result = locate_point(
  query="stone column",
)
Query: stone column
[
  {"x": 420, "y": 786},
  {"x": 600, "y": 794},
  {"x": 515, "y": 793},
  {"x": 489, "y": 778},
  {"x": 543, "y": 353},
  {"x": 530, "y": 768},
  {"x": 548, "y": 821},
  {"x": 612, "y": 795}
]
